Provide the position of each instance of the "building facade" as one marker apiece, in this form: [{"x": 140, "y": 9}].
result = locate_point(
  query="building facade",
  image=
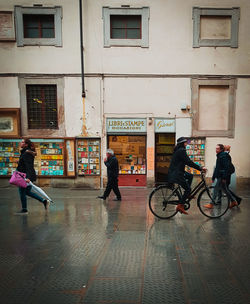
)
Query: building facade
[{"x": 153, "y": 71}]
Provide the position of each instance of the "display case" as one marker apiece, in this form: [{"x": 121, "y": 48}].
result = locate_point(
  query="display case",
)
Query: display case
[
  {"x": 88, "y": 156},
  {"x": 130, "y": 151},
  {"x": 196, "y": 152},
  {"x": 9, "y": 155},
  {"x": 49, "y": 161},
  {"x": 50, "y": 157}
]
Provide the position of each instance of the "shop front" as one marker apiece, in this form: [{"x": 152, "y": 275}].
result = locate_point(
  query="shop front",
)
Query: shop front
[
  {"x": 196, "y": 152},
  {"x": 127, "y": 137},
  {"x": 55, "y": 157},
  {"x": 88, "y": 156},
  {"x": 164, "y": 147}
]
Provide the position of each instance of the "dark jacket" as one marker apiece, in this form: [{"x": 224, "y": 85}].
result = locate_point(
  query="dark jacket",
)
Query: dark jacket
[
  {"x": 223, "y": 166},
  {"x": 26, "y": 164},
  {"x": 112, "y": 167},
  {"x": 179, "y": 160}
]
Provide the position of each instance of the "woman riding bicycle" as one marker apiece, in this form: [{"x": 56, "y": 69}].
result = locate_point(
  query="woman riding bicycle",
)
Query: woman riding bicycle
[{"x": 176, "y": 171}]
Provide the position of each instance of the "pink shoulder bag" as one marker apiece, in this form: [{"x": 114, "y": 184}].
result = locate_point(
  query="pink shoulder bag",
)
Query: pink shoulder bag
[{"x": 18, "y": 179}]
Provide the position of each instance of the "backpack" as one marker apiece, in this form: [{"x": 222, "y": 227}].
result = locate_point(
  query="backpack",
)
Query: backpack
[{"x": 231, "y": 168}]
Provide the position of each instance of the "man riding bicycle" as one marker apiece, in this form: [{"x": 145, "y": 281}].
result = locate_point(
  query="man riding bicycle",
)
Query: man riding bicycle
[{"x": 176, "y": 171}]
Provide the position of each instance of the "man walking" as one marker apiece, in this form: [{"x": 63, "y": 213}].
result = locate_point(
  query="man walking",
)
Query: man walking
[
  {"x": 111, "y": 163},
  {"x": 222, "y": 173}
]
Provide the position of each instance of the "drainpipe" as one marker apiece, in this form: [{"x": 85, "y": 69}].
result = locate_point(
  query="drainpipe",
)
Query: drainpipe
[{"x": 84, "y": 128}]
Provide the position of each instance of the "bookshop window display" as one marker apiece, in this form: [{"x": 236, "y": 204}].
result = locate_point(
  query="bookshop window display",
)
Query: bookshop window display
[
  {"x": 50, "y": 157},
  {"x": 49, "y": 162},
  {"x": 9, "y": 155},
  {"x": 196, "y": 152},
  {"x": 88, "y": 156},
  {"x": 130, "y": 150}
]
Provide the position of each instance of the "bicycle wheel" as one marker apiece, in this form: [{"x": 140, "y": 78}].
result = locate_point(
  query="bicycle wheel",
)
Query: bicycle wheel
[
  {"x": 218, "y": 209},
  {"x": 163, "y": 202}
]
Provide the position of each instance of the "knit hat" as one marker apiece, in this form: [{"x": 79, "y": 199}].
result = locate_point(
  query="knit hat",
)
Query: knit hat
[{"x": 181, "y": 140}]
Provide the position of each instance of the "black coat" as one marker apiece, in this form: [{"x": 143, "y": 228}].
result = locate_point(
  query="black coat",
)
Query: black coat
[
  {"x": 179, "y": 160},
  {"x": 223, "y": 166},
  {"x": 26, "y": 164},
  {"x": 112, "y": 167}
]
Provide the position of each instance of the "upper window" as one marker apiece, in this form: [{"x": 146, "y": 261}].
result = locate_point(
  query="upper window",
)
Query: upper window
[
  {"x": 215, "y": 26},
  {"x": 126, "y": 26},
  {"x": 38, "y": 26},
  {"x": 41, "y": 106}
]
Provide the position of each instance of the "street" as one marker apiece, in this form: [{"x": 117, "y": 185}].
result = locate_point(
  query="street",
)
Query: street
[{"x": 85, "y": 250}]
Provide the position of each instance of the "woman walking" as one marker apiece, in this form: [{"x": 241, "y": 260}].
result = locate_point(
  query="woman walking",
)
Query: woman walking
[
  {"x": 238, "y": 199},
  {"x": 26, "y": 165}
]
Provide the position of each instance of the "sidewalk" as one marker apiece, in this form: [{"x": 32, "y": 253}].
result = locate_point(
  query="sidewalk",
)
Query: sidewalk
[{"x": 85, "y": 250}]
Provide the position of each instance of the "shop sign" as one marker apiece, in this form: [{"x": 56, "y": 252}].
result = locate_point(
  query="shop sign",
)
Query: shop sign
[
  {"x": 126, "y": 125},
  {"x": 164, "y": 125}
]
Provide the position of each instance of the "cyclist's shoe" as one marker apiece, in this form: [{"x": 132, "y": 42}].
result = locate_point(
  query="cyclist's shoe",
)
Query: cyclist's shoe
[
  {"x": 190, "y": 197},
  {"x": 239, "y": 200},
  {"x": 209, "y": 206},
  {"x": 180, "y": 208},
  {"x": 233, "y": 204}
]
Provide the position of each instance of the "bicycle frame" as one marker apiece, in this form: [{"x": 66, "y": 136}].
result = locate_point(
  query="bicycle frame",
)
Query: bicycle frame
[
  {"x": 166, "y": 196},
  {"x": 195, "y": 190}
]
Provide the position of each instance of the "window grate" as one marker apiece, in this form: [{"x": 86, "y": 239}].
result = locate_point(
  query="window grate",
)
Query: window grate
[{"x": 42, "y": 106}]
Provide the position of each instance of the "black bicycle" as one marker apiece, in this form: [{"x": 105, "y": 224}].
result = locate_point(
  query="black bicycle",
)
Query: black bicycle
[{"x": 164, "y": 199}]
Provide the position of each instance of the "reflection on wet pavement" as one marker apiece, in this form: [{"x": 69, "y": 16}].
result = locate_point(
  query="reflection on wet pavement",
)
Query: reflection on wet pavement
[{"x": 85, "y": 250}]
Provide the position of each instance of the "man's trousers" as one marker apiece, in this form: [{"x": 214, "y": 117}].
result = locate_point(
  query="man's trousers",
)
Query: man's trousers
[{"x": 112, "y": 185}]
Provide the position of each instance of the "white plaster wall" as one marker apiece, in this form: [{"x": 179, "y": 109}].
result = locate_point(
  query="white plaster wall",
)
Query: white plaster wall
[
  {"x": 74, "y": 107},
  {"x": 183, "y": 127},
  {"x": 93, "y": 107},
  {"x": 170, "y": 41},
  {"x": 240, "y": 144},
  {"x": 45, "y": 59},
  {"x": 9, "y": 92},
  {"x": 162, "y": 97}
]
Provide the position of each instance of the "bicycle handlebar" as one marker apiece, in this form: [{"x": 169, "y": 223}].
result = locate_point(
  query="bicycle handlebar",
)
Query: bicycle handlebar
[{"x": 203, "y": 174}]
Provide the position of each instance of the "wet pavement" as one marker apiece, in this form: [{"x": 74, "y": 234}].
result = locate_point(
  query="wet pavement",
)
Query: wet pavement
[{"x": 85, "y": 250}]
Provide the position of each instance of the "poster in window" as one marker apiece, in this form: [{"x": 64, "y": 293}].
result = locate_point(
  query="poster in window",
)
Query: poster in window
[
  {"x": 6, "y": 124},
  {"x": 9, "y": 122},
  {"x": 71, "y": 166}
]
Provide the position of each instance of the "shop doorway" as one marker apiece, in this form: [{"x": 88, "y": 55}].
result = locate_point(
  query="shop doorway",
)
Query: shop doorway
[
  {"x": 164, "y": 147},
  {"x": 130, "y": 151}
]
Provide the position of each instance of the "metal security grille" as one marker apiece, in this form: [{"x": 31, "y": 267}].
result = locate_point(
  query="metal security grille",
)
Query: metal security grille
[
  {"x": 39, "y": 26},
  {"x": 42, "y": 106},
  {"x": 125, "y": 26}
]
